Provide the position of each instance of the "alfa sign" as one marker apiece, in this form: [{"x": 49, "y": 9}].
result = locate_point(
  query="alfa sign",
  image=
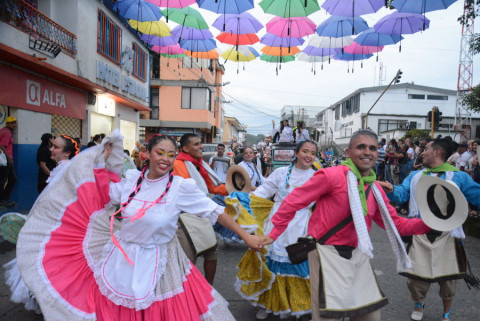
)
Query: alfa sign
[{"x": 27, "y": 91}]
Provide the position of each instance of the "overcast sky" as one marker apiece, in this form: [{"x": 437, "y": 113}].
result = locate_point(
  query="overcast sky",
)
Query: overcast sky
[{"x": 256, "y": 94}]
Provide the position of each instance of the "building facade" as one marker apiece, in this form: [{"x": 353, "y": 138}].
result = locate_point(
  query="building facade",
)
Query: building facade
[
  {"x": 186, "y": 97},
  {"x": 403, "y": 107},
  {"x": 67, "y": 67},
  {"x": 233, "y": 131}
]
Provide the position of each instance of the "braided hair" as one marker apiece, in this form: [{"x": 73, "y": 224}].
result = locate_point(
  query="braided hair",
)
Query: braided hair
[
  {"x": 294, "y": 161},
  {"x": 70, "y": 146}
]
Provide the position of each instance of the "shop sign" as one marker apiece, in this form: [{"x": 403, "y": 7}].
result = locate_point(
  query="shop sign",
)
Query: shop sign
[
  {"x": 126, "y": 83},
  {"x": 26, "y": 91}
]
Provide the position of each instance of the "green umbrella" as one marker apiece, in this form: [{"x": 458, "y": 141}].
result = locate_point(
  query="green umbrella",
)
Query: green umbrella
[
  {"x": 187, "y": 17},
  {"x": 174, "y": 56},
  {"x": 289, "y": 8},
  {"x": 269, "y": 58}
]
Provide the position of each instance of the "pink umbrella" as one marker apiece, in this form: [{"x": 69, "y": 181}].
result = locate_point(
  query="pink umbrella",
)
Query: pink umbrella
[
  {"x": 169, "y": 50},
  {"x": 172, "y": 3},
  {"x": 355, "y": 48},
  {"x": 295, "y": 27}
]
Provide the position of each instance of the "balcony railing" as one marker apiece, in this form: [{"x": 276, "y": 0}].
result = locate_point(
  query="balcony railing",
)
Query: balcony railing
[{"x": 25, "y": 17}]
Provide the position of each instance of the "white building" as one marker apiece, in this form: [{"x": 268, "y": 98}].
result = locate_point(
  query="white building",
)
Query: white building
[
  {"x": 294, "y": 113},
  {"x": 403, "y": 107},
  {"x": 67, "y": 67}
]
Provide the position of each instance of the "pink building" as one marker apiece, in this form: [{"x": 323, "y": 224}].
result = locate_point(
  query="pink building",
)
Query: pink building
[{"x": 185, "y": 97}]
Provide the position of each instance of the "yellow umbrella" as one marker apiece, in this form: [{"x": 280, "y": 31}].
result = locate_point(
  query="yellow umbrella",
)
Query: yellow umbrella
[
  {"x": 156, "y": 28},
  {"x": 234, "y": 55}
]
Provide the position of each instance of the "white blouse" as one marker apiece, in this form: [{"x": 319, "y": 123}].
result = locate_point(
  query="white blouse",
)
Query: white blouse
[{"x": 255, "y": 175}]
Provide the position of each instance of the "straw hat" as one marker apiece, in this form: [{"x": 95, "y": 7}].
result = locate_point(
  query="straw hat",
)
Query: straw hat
[
  {"x": 238, "y": 180},
  {"x": 441, "y": 204}
]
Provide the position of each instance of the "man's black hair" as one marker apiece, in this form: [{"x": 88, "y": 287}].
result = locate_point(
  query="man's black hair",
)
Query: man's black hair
[{"x": 185, "y": 139}]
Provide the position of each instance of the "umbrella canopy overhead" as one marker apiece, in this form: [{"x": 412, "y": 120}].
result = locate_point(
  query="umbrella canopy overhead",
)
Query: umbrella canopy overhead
[
  {"x": 371, "y": 38},
  {"x": 350, "y": 57},
  {"x": 237, "y": 23},
  {"x": 355, "y": 48},
  {"x": 156, "y": 28},
  {"x": 212, "y": 54},
  {"x": 139, "y": 10},
  {"x": 244, "y": 53},
  {"x": 290, "y": 8},
  {"x": 187, "y": 17},
  {"x": 352, "y": 8},
  {"x": 399, "y": 23},
  {"x": 198, "y": 45},
  {"x": 181, "y": 32},
  {"x": 170, "y": 50},
  {"x": 172, "y": 3},
  {"x": 329, "y": 42},
  {"x": 304, "y": 57},
  {"x": 159, "y": 41},
  {"x": 337, "y": 26},
  {"x": 276, "y": 41},
  {"x": 421, "y": 6},
  {"x": 280, "y": 51},
  {"x": 235, "y": 39},
  {"x": 298, "y": 27},
  {"x": 320, "y": 52},
  {"x": 226, "y": 6},
  {"x": 277, "y": 59}
]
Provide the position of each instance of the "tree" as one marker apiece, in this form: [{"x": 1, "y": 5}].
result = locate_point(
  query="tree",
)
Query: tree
[
  {"x": 472, "y": 100},
  {"x": 472, "y": 10},
  {"x": 417, "y": 134}
]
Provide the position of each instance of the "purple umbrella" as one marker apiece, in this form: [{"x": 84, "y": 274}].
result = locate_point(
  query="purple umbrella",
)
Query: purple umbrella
[
  {"x": 237, "y": 23},
  {"x": 322, "y": 52},
  {"x": 272, "y": 40},
  {"x": 159, "y": 41},
  {"x": 399, "y": 23},
  {"x": 352, "y": 8},
  {"x": 181, "y": 32}
]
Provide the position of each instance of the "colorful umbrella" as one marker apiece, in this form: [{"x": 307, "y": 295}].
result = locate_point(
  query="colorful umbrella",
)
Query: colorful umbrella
[
  {"x": 277, "y": 59},
  {"x": 139, "y": 10},
  {"x": 236, "y": 39},
  {"x": 355, "y": 48},
  {"x": 226, "y": 6},
  {"x": 291, "y": 27},
  {"x": 155, "y": 28},
  {"x": 212, "y": 54},
  {"x": 172, "y": 3},
  {"x": 399, "y": 23},
  {"x": 320, "y": 52},
  {"x": 421, "y": 6},
  {"x": 242, "y": 54},
  {"x": 329, "y": 42},
  {"x": 341, "y": 26},
  {"x": 198, "y": 45},
  {"x": 187, "y": 17},
  {"x": 371, "y": 38},
  {"x": 169, "y": 50},
  {"x": 311, "y": 59},
  {"x": 181, "y": 32},
  {"x": 280, "y": 51},
  {"x": 351, "y": 57},
  {"x": 158, "y": 41},
  {"x": 276, "y": 41},
  {"x": 352, "y": 8},
  {"x": 289, "y": 8},
  {"x": 237, "y": 23}
]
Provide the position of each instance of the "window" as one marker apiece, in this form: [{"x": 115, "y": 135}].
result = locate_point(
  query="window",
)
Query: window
[
  {"x": 437, "y": 97},
  {"x": 391, "y": 124},
  {"x": 139, "y": 62},
  {"x": 337, "y": 112},
  {"x": 356, "y": 103},
  {"x": 196, "y": 98},
  {"x": 415, "y": 96},
  {"x": 348, "y": 106},
  {"x": 109, "y": 37},
  {"x": 196, "y": 63},
  {"x": 154, "y": 103}
]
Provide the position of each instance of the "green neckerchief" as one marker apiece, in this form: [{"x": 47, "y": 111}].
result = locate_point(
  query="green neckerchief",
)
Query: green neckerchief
[
  {"x": 362, "y": 181},
  {"x": 445, "y": 167}
]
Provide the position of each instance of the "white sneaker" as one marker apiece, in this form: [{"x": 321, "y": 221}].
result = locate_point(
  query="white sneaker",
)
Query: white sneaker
[
  {"x": 417, "y": 315},
  {"x": 262, "y": 314}
]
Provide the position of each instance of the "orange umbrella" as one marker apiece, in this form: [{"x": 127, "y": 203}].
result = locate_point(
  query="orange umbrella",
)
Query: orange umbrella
[
  {"x": 212, "y": 54},
  {"x": 280, "y": 51}
]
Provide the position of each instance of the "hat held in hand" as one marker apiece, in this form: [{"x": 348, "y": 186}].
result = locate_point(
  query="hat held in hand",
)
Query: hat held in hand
[
  {"x": 238, "y": 180},
  {"x": 441, "y": 204}
]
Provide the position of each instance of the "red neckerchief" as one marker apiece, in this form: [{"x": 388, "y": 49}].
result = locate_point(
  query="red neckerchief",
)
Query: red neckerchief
[{"x": 197, "y": 162}]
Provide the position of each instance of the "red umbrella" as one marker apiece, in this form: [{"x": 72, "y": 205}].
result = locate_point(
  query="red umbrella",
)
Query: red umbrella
[{"x": 235, "y": 39}]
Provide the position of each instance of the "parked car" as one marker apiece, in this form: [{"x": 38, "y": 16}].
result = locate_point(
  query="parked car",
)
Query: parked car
[{"x": 210, "y": 150}]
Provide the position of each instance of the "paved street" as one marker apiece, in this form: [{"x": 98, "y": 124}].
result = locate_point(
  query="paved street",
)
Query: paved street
[{"x": 466, "y": 307}]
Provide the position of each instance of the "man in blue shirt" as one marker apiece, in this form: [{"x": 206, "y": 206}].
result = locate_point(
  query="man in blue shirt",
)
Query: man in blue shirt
[{"x": 380, "y": 164}]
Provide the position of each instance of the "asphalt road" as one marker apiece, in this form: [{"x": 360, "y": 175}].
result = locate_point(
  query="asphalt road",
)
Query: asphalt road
[{"x": 466, "y": 307}]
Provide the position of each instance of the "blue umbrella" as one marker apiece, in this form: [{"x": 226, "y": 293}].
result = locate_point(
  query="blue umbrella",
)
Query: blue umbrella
[
  {"x": 352, "y": 8},
  {"x": 351, "y": 57},
  {"x": 421, "y": 6},
  {"x": 139, "y": 10},
  {"x": 272, "y": 40},
  {"x": 226, "y": 6},
  {"x": 338, "y": 26},
  {"x": 159, "y": 41},
  {"x": 181, "y": 32},
  {"x": 198, "y": 45},
  {"x": 371, "y": 38}
]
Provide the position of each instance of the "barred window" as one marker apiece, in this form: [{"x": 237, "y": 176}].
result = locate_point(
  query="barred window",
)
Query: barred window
[
  {"x": 109, "y": 40},
  {"x": 139, "y": 62}
]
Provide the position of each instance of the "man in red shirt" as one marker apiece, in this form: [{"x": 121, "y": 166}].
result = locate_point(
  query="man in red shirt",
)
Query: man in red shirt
[{"x": 8, "y": 178}]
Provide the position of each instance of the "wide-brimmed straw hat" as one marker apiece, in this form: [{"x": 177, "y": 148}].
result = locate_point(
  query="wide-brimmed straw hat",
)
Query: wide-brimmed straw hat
[
  {"x": 238, "y": 180},
  {"x": 441, "y": 204}
]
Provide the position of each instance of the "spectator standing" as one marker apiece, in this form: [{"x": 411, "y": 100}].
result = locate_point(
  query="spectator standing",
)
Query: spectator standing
[
  {"x": 44, "y": 161},
  {"x": 220, "y": 163},
  {"x": 8, "y": 178},
  {"x": 380, "y": 164},
  {"x": 463, "y": 156},
  {"x": 302, "y": 133}
]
